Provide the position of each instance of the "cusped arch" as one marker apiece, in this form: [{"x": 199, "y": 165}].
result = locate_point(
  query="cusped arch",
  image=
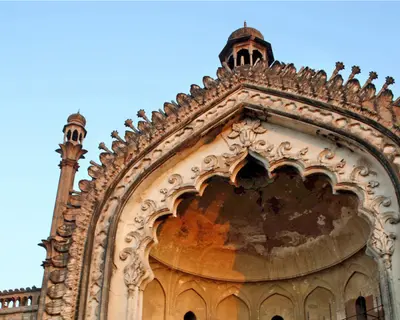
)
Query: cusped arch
[
  {"x": 174, "y": 194},
  {"x": 112, "y": 179},
  {"x": 228, "y": 164}
]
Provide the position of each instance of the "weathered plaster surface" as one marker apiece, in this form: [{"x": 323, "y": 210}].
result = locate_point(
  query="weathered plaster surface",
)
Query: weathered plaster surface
[{"x": 286, "y": 228}]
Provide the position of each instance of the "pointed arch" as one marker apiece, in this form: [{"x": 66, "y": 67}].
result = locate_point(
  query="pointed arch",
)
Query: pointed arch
[
  {"x": 359, "y": 284},
  {"x": 276, "y": 305},
  {"x": 190, "y": 284},
  {"x": 154, "y": 301},
  {"x": 235, "y": 291},
  {"x": 190, "y": 301},
  {"x": 234, "y": 308},
  {"x": 359, "y": 287},
  {"x": 320, "y": 302},
  {"x": 120, "y": 173}
]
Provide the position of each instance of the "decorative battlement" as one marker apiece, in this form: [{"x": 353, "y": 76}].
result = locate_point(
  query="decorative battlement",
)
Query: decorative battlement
[
  {"x": 327, "y": 92},
  {"x": 19, "y": 301}
]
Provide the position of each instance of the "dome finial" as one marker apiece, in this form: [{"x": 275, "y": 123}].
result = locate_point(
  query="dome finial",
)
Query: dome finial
[{"x": 245, "y": 24}]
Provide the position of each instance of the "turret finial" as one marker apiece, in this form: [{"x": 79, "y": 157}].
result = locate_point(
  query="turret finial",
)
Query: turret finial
[{"x": 245, "y": 24}]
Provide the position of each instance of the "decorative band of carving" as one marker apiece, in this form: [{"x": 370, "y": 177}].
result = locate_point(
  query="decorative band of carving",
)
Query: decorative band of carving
[{"x": 69, "y": 163}]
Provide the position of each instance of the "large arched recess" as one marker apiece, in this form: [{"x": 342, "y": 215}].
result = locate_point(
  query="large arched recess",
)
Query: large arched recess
[
  {"x": 223, "y": 153},
  {"x": 133, "y": 164}
]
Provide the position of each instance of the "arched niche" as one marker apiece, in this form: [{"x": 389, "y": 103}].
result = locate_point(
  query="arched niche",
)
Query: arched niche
[
  {"x": 234, "y": 308},
  {"x": 348, "y": 169},
  {"x": 361, "y": 285},
  {"x": 243, "y": 57},
  {"x": 320, "y": 304},
  {"x": 189, "y": 301},
  {"x": 276, "y": 305},
  {"x": 154, "y": 301}
]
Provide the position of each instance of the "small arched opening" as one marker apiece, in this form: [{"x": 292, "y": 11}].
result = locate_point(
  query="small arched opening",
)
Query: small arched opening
[
  {"x": 277, "y": 318},
  {"x": 243, "y": 57},
  {"x": 69, "y": 135},
  {"x": 257, "y": 55},
  {"x": 361, "y": 308},
  {"x": 189, "y": 316},
  {"x": 75, "y": 135},
  {"x": 231, "y": 62}
]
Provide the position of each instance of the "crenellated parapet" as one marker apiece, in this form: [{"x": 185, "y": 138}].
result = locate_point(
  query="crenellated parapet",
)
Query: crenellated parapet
[
  {"x": 347, "y": 97},
  {"x": 16, "y": 302}
]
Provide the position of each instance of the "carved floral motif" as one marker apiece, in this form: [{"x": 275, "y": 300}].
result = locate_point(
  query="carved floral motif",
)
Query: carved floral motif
[{"x": 247, "y": 131}]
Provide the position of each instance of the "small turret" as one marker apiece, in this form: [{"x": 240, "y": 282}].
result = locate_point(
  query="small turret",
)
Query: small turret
[
  {"x": 74, "y": 130},
  {"x": 246, "y": 46}
]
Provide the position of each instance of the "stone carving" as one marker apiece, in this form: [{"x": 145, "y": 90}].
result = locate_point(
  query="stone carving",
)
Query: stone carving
[
  {"x": 247, "y": 131},
  {"x": 170, "y": 128},
  {"x": 176, "y": 181},
  {"x": 371, "y": 186},
  {"x": 382, "y": 242},
  {"x": 135, "y": 270}
]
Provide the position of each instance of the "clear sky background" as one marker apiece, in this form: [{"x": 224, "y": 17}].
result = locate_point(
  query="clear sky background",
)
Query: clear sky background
[{"x": 111, "y": 59}]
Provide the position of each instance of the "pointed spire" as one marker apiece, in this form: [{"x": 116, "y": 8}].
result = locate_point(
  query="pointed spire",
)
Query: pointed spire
[
  {"x": 129, "y": 124},
  {"x": 338, "y": 67},
  {"x": 245, "y": 24},
  {"x": 372, "y": 76}
]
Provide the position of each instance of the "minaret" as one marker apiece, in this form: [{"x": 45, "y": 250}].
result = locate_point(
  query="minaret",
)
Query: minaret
[{"x": 71, "y": 151}]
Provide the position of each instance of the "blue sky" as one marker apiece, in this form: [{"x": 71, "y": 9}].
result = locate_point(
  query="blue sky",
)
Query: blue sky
[{"x": 111, "y": 59}]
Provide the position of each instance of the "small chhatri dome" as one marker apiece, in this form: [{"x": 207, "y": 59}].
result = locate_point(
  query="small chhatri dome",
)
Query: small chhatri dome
[
  {"x": 246, "y": 32},
  {"x": 74, "y": 130},
  {"x": 77, "y": 118},
  {"x": 246, "y": 46}
]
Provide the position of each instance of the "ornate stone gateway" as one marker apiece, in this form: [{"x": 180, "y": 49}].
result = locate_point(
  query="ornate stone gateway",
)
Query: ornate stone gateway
[{"x": 254, "y": 197}]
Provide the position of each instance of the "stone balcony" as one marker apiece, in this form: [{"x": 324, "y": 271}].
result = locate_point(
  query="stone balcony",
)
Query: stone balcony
[{"x": 19, "y": 304}]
